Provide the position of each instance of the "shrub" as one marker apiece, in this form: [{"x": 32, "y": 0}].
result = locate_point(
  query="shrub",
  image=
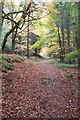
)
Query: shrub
[{"x": 71, "y": 57}]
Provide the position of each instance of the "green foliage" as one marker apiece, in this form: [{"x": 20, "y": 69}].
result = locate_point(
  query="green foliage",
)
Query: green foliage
[
  {"x": 22, "y": 58},
  {"x": 6, "y": 59},
  {"x": 72, "y": 56},
  {"x": 3, "y": 58},
  {"x": 2, "y": 92},
  {"x": 7, "y": 63},
  {"x": 35, "y": 59},
  {"x": 7, "y": 84},
  {"x": 16, "y": 60},
  {"x": 39, "y": 44},
  {"x": 9, "y": 60},
  {"x": 33, "y": 38},
  {"x": 56, "y": 63},
  {"x": 8, "y": 66}
]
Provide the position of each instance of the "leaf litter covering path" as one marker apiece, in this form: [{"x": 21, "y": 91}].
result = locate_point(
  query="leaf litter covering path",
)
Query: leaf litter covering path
[{"x": 40, "y": 91}]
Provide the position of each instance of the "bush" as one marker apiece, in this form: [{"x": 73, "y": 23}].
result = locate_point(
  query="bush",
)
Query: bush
[{"x": 71, "y": 57}]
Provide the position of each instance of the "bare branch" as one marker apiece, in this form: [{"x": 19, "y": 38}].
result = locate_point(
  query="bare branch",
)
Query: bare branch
[
  {"x": 15, "y": 12},
  {"x": 7, "y": 17}
]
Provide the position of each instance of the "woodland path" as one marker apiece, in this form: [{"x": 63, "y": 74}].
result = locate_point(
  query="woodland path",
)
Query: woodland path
[{"x": 40, "y": 90}]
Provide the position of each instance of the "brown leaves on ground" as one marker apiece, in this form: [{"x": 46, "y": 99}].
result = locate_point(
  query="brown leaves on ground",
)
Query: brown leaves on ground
[{"x": 39, "y": 91}]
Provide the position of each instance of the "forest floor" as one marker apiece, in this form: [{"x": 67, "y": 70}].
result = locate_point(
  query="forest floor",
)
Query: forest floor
[{"x": 40, "y": 90}]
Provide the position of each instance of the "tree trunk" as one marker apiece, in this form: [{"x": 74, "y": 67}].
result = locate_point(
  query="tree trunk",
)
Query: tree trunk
[
  {"x": 0, "y": 22},
  {"x": 60, "y": 45},
  {"x": 68, "y": 32},
  {"x": 78, "y": 42},
  {"x": 63, "y": 45},
  {"x": 13, "y": 40},
  {"x": 68, "y": 40},
  {"x": 28, "y": 37},
  {"x": 76, "y": 39}
]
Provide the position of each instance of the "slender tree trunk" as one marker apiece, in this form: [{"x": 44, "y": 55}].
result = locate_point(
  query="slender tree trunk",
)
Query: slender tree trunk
[
  {"x": 76, "y": 39},
  {"x": 0, "y": 22},
  {"x": 28, "y": 37},
  {"x": 78, "y": 42},
  {"x": 13, "y": 40},
  {"x": 68, "y": 40},
  {"x": 60, "y": 45},
  {"x": 63, "y": 45},
  {"x": 68, "y": 32}
]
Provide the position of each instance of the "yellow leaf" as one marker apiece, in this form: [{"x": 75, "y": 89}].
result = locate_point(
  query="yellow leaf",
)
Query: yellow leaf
[{"x": 21, "y": 19}]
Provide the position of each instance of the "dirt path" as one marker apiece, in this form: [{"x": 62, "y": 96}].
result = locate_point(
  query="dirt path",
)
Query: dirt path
[{"x": 40, "y": 91}]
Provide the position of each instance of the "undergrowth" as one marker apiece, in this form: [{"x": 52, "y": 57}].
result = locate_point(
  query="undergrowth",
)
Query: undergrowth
[{"x": 57, "y": 63}]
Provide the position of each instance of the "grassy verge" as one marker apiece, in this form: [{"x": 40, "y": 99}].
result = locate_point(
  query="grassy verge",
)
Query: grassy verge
[{"x": 56, "y": 63}]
